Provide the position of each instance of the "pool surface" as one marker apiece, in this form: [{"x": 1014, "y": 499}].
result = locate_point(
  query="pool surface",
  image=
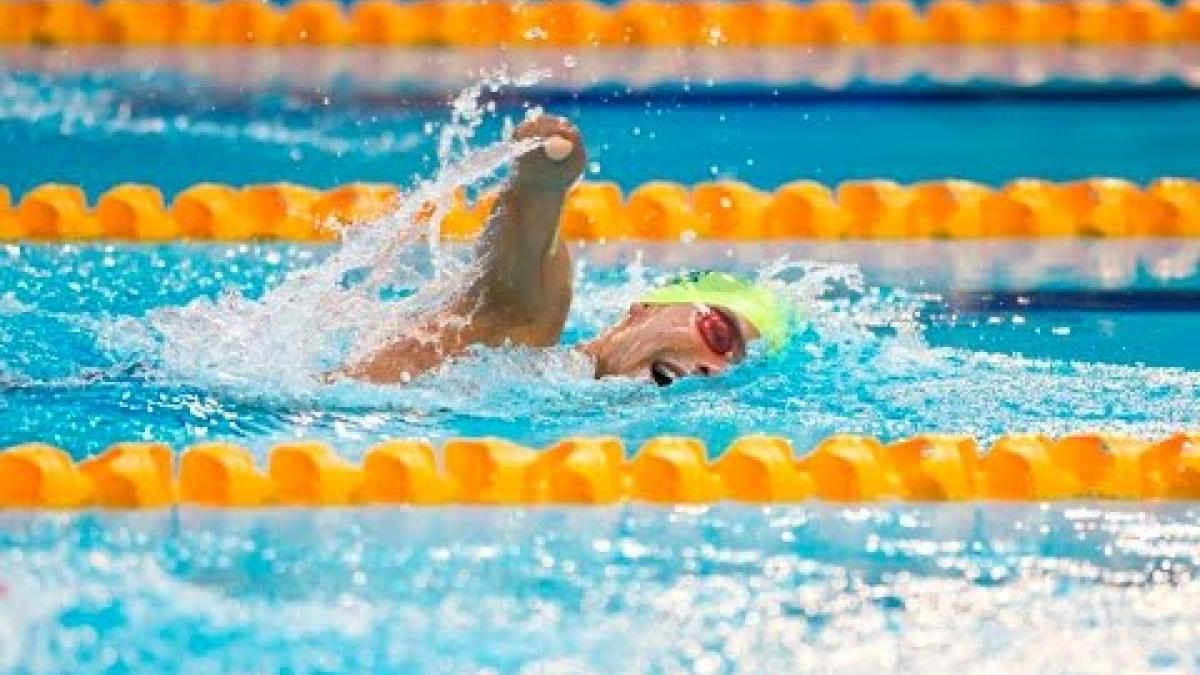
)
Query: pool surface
[
  {"x": 84, "y": 367},
  {"x": 97, "y": 130},
  {"x": 1068, "y": 588}
]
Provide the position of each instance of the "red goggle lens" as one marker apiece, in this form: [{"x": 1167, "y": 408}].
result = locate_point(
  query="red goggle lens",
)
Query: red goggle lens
[{"x": 716, "y": 331}]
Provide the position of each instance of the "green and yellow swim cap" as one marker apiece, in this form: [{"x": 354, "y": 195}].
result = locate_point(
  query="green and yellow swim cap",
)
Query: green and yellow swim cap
[{"x": 771, "y": 315}]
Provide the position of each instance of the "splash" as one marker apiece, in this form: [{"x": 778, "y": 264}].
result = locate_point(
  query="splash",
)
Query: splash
[
  {"x": 103, "y": 106},
  {"x": 384, "y": 274}
]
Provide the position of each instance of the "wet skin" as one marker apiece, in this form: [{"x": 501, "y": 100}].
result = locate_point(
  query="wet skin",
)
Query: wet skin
[{"x": 520, "y": 290}]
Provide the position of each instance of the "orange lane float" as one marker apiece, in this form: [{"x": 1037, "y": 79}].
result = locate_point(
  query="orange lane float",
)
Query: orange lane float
[
  {"x": 804, "y": 210},
  {"x": 673, "y": 470},
  {"x": 222, "y": 475},
  {"x": 8, "y": 218},
  {"x": 209, "y": 211},
  {"x": 489, "y": 470},
  {"x": 132, "y": 475},
  {"x": 1027, "y": 208},
  {"x": 245, "y": 22},
  {"x": 1021, "y": 467},
  {"x": 1103, "y": 207},
  {"x": 893, "y": 22},
  {"x": 1173, "y": 207},
  {"x": 403, "y": 472},
  {"x": 382, "y": 23},
  {"x": 314, "y": 23},
  {"x": 763, "y": 469},
  {"x": 593, "y": 211},
  {"x": 135, "y": 213},
  {"x": 954, "y": 22},
  {"x": 947, "y": 209},
  {"x": 587, "y": 23},
  {"x": 35, "y": 475},
  {"x": 847, "y": 468},
  {"x": 55, "y": 212},
  {"x": 1187, "y": 29},
  {"x": 658, "y": 211},
  {"x": 727, "y": 209},
  {"x": 1170, "y": 468},
  {"x": 579, "y": 471},
  {"x": 755, "y": 469},
  {"x": 875, "y": 208},
  {"x": 284, "y": 211},
  {"x": 937, "y": 467},
  {"x": 310, "y": 473}
]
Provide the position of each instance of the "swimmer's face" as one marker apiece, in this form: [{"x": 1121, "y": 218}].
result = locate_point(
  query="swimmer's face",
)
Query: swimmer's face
[{"x": 663, "y": 343}]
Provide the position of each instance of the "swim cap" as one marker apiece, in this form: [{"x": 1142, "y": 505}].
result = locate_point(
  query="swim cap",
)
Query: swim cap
[{"x": 761, "y": 307}]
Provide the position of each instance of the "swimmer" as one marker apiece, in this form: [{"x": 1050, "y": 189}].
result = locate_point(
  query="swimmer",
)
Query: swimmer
[{"x": 520, "y": 294}]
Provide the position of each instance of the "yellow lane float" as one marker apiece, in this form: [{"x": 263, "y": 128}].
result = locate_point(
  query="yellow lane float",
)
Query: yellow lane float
[
  {"x": 754, "y": 469},
  {"x": 664, "y": 211},
  {"x": 587, "y": 23}
]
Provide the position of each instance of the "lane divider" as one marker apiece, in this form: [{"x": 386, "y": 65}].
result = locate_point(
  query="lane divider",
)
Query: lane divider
[
  {"x": 595, "y": 470},
  {"x": 654, "y": 211},
  {"x": 583, "y": 23}
]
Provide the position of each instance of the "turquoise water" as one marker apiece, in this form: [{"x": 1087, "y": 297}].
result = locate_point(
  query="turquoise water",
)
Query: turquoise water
[
  {"x": 98, "y": 131},
  {"x": 1077, "y": 588},
  {"x": 1081, "y": 588},
  {"x": 94, "y": 348},
  {"x": 84, "y": 367}
]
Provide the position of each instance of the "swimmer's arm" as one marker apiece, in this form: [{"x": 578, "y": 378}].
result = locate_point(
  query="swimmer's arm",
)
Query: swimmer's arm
[
  {"x": 519, "y": 245},
  {"x": 525, "y": 265}
]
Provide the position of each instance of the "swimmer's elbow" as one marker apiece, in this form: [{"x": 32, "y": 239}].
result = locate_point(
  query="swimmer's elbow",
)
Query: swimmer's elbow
[{"x": 382, "y": 368}]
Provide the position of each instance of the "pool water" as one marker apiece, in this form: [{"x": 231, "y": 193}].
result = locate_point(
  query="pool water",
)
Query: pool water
[
  {"x": 969, "y": 338},
  {"x": 84, "y": 367},
  {"x": 1069, "y": 588},
  {"x": 99, "y": 130}
]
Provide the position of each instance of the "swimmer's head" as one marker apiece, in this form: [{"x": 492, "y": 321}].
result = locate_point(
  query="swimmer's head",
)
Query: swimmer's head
[{"x": 698, "y": 325}]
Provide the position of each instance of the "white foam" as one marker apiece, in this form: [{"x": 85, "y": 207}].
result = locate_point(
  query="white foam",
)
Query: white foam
[{"x": 320, "y": 316}]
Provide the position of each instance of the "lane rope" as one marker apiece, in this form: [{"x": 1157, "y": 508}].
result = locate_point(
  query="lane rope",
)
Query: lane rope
[
  {"x": 596, "y": 470},
  {"x": 582, "y": 23},
  {"x": 875, "y": 209}
]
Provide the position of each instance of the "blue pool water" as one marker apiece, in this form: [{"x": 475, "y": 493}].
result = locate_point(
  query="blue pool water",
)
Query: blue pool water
[
  {"x": 973, "y": 338},
  {"x": 1076, "y": 588},
  {"x": 99, "y": 131},
  {"x": 84, "y": 366}
]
